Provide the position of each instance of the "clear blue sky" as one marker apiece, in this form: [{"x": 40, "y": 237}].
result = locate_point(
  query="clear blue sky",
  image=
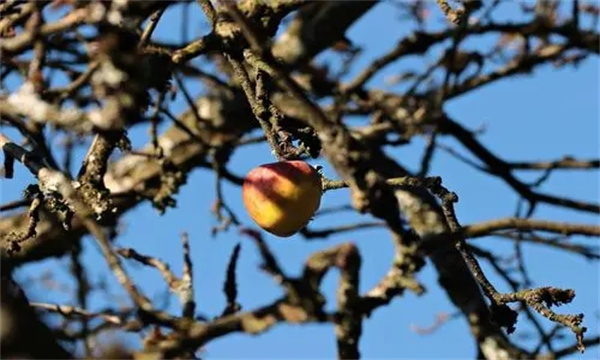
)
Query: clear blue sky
[{"x": 541, "y": 116}]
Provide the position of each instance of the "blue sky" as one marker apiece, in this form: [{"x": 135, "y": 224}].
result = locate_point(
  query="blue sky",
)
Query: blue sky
[{"x": 541, "y": 116}]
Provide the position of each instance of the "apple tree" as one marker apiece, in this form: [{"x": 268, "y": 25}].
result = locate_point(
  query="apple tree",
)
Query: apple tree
[{"x": 453, "y": 151}]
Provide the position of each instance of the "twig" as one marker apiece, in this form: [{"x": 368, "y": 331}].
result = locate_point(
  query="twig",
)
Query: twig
[
  {"x": 82, "y": 291},
  {"x": 75, "y": 311},
  {"x": 187, "y": 279},
  {"x": 209, "y": 10},
  {"x": 14, "y": 204},
  {"x": 152, "y": 23},
  {"x": 67, "y": 91},
  {"x": 230, "y": 287},
  {"x": 428, "y": 153},
  {"x": 324, "y": 233},
  {"x": 176, "y": 285},
  {"x": 270, "y": 264},
  {"x": 565, "y": 163},
  {"x": 259, "y": 110},
  {"x": 590, "y": 252},
  {"x": 348, "y": 328},
  {"x": 190, "y": 101},
  {"x": 560, "y": 353},
  {"x": 33, "y": 215},
  {"x": 440, "y": 320},
  {"x": 488, "y": 227},
  {"x": 455, "y": 16}
]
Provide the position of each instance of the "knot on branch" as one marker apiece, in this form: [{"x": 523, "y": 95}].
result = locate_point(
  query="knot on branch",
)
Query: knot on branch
[
  {"x": 33, "y": 193},
  {"x": 434, "y": 184},
  {"x": 553, "y": 296},
  {"x": 373, "y": 194},
  {"x": 504, "y": 316},
  {"x": 409, "y": 258},
  {"x": 171, "y": 179},
  {"x": 347, "y": 256}
]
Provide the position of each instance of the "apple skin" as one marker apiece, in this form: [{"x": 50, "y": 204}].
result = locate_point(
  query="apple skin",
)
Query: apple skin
[{"x": 282, "y": 197}]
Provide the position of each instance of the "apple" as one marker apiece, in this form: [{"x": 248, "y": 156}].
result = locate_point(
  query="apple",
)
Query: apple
[{"x": 282, "y": 197}]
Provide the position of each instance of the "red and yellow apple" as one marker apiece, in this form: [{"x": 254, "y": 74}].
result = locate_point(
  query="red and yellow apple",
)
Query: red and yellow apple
[{"x": 282, "y": 197}]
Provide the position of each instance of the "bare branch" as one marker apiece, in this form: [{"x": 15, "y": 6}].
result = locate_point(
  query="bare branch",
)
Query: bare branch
[{"x": 489, "y": 227}]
